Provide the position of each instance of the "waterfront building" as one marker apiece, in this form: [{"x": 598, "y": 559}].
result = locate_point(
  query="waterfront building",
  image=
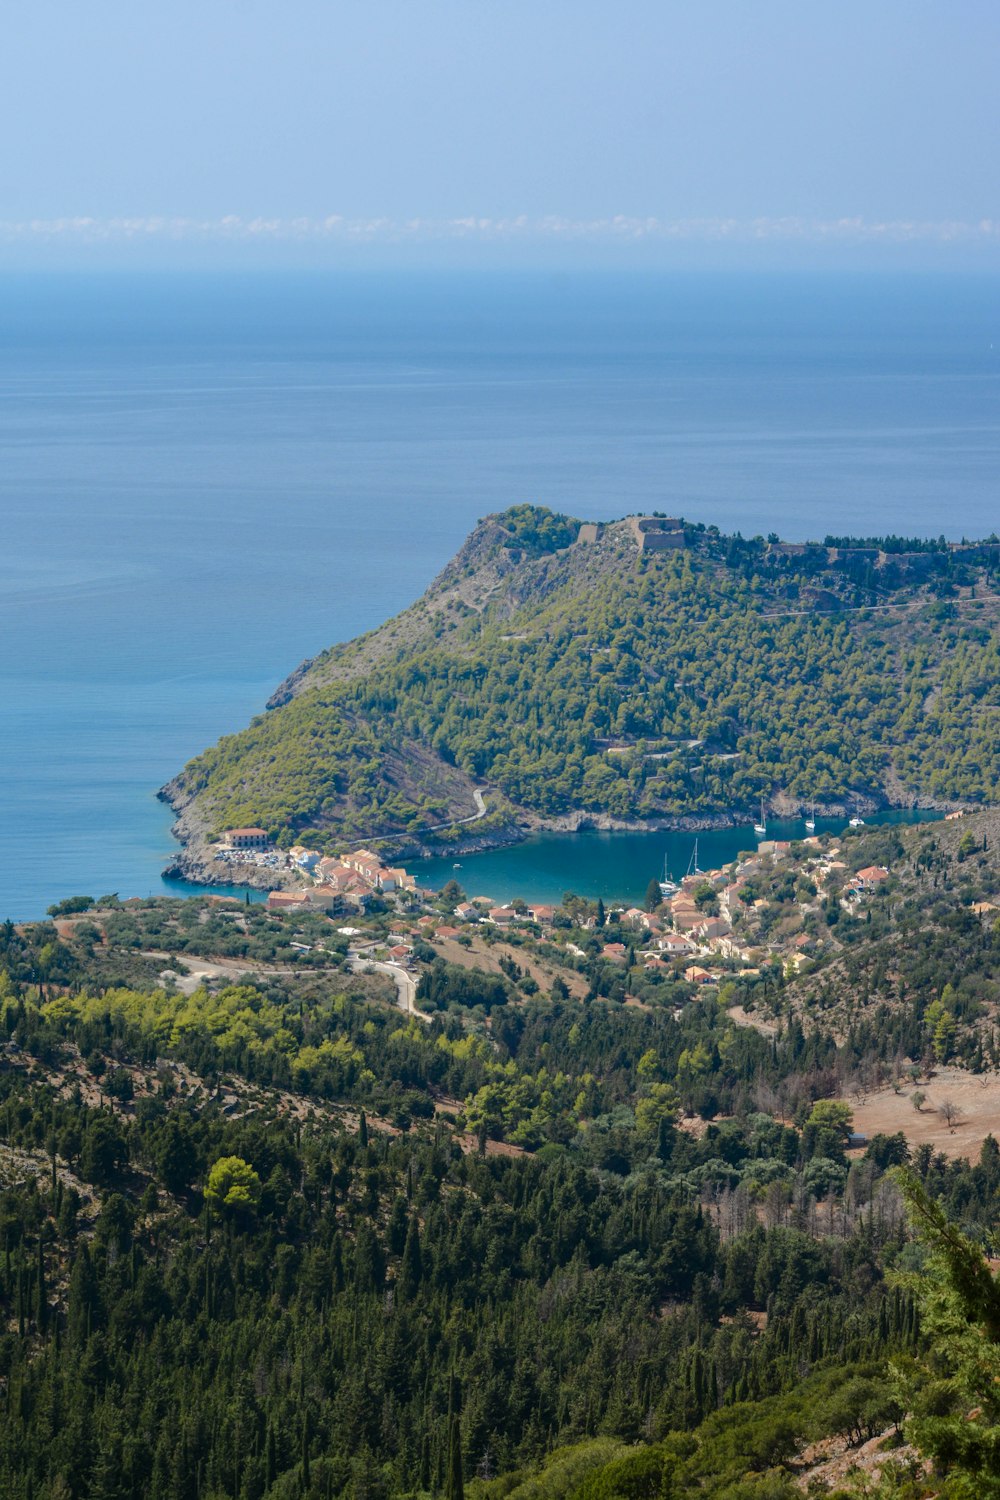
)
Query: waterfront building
[{"x": 246, "y": 838}]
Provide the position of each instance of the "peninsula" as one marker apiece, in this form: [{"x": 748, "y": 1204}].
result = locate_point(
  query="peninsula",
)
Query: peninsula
[{"x": 640, "y": 673}]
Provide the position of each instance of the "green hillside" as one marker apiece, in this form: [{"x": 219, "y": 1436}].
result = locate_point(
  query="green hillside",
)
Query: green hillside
[
  {"x": 569, "y": 669},
  {"x": 275, "y": 1240}
]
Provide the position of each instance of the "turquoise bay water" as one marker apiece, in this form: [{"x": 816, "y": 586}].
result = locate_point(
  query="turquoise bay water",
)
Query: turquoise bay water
[
  {"x": 206, "y": 479},
  {"x": 615, "y": 866}
]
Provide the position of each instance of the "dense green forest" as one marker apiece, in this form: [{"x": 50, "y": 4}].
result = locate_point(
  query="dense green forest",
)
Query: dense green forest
[
  {"x": 273, "y": 1238},
  {"x": 596, "y": 677}
]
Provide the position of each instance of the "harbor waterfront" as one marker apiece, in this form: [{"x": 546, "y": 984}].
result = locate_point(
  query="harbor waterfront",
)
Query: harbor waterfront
[{"x": 616, "y": 866}]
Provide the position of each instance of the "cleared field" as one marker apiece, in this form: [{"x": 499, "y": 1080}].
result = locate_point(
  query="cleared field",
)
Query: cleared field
[{"x": 976, "y": 1097}]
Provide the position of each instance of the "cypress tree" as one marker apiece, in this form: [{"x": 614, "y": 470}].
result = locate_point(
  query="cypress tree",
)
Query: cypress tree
[
  {"x": 455, "y": 1489},
  {"x": 41, "y": 1296},
  {"x": 411, "y": 1265}
]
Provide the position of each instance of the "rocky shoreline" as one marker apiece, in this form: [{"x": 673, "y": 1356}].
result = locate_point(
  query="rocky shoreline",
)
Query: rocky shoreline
[{"x": 194, "y": 864}]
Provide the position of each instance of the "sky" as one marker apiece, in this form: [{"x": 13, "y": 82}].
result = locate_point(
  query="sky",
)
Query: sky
[{"x": 440, "y": 131}]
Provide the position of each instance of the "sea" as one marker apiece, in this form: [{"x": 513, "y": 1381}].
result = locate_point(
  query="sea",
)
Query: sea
[{"x": 206, "y": 478}]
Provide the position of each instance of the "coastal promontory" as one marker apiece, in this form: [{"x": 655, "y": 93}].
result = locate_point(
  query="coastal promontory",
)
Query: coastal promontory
[{"x": 640, "y": 672}]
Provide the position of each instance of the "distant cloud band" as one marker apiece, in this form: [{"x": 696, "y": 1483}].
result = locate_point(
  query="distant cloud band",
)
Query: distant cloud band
[{"x": 621, "y": 228}]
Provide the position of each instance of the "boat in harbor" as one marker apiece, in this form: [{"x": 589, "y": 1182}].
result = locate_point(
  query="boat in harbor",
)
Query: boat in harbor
[
  {"x": 668, "y": 887},
  {"x": 857, "y": 823},
  {"x": 760, "y": 829},
  {"x": 811, "y": 820}
]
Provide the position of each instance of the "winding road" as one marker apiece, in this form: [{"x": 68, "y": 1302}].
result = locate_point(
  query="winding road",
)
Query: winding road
[
  {"x": 406, "y": 985},
  {"x": 478, "y": 797},
  {"x": 480, "y": 812},
  {"x": 200, "y": 969}
]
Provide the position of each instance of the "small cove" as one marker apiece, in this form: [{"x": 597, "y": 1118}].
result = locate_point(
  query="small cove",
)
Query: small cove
[{"x": 617, "y": 866}]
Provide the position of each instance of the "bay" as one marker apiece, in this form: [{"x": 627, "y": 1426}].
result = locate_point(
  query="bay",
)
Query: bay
[
  {"x": 205, "y": 479},
  {"x": 616, "y": 866}
]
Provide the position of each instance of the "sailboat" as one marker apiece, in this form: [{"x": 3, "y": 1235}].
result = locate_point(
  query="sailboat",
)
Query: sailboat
[
  {"x": 760, "y": 829},
  {"x": 692, "y": 868},
  {"x": 668, "y": 887},
  {"x": 811, "y": 820}
]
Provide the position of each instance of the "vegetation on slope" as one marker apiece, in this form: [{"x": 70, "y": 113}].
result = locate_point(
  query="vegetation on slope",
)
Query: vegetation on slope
[
  {"x": 918, "y": 976},
  {"x": 375, "y": 1314},
  {"x": 601, "y": 679},
  {"x": 271, "y": 1240}
]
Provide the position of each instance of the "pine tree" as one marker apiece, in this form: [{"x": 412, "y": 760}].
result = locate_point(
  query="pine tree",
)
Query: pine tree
[{"x": 952, "y": 1390}]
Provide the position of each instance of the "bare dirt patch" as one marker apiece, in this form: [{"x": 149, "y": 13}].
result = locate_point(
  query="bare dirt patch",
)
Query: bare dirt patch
[
  {"x": 470, "y": 1144},
  {"x": 748, "y": 1018},
  {"x": 975, "y": 1095}
]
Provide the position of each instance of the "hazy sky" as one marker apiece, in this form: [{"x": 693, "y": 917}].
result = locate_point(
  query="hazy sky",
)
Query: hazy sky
[{"x": 625, "y": 128}]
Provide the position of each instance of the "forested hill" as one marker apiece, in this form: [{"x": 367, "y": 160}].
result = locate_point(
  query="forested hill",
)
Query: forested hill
[
  {"x": 640, "y": 670},
  {"x": 275, "y": 1240}
]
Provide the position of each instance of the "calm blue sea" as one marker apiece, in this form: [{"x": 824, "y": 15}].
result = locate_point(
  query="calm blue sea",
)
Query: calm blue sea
[{"x": 205, "y": 479}]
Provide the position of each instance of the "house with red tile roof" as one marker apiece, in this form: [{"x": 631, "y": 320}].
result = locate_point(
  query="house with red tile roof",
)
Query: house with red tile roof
[
  {"x": 287, "y": 901},
  {"x": 636, "y": 917},
  {"x": 323, "y": 898},
  {"x": 871, "y": 877},
  {"x": 676, "y": 944},
  {"x": 685, "y": 913},
  {"x": 712, "y": 927},
  {"x": 541, "y": 914}
]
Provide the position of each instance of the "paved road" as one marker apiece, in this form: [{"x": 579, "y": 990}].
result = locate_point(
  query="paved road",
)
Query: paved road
[
  {"x": 391, "y": 838},
  {"x": 233, "y": 969},
  {"x": 200, "y": 969},
  {"x": 455, "y": 822},
  {"x": 406, "y": 985}
]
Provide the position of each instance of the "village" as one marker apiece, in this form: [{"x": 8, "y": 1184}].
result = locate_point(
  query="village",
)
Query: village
[{"x": 769, "y": 908}]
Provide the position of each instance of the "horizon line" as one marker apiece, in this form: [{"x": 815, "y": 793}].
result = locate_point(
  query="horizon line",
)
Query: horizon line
[{"x": 617, "y": 229}]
